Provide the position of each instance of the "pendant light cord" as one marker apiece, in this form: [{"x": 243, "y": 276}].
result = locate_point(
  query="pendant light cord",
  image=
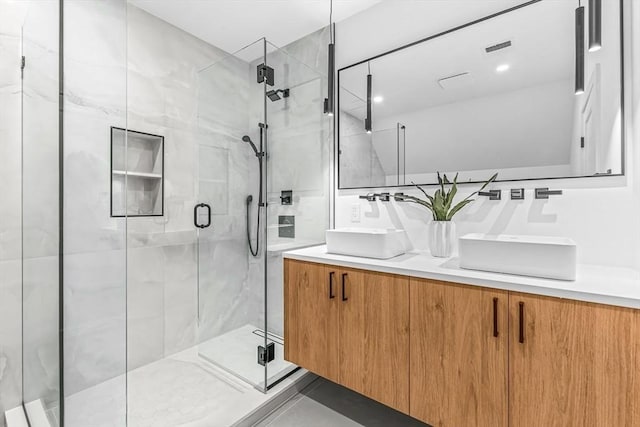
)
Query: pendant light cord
[{"x": 331, "y": 20}]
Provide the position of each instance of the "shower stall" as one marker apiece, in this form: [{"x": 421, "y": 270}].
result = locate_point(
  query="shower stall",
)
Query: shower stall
[
  {"x": 150, "y": 205},
  {"x": 267, "y": 106}
]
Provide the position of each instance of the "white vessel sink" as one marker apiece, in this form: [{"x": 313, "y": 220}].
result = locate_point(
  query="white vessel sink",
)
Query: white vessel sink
[
  {"x": 538, "y": 256},
  {"x": 367, "y": 242}
]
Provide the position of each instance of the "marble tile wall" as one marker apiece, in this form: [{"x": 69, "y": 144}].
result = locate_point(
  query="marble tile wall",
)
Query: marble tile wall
[
  {"x": 28, "y": 210},
  {"x": 129, "y": 307},
  {"x": 40, "y": 200},
  {"x": 10, "y": 210},
  {"x": 196, "y": 95},
  {"x": 95, "y": 257},
  {"x": 172, "y": 288}
]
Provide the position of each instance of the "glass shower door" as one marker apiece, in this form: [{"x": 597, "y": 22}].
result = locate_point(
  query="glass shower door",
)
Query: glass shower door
[
  {"x": 40, "y": 215},
  {"x": 299, "y": 146},
  {"x": 263, "y": 170},
  {"x": 230, "y": 278}
]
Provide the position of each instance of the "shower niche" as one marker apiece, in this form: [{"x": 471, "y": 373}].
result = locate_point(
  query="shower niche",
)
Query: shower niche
[{"x": 137, "y": 173}]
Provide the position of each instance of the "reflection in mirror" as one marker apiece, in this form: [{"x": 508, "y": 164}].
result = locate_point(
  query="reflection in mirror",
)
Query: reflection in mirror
[{"x": 494, "y": 96}]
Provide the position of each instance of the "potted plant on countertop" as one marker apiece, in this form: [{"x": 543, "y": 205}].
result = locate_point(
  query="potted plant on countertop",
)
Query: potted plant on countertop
[{"x": 442, "y": 228}]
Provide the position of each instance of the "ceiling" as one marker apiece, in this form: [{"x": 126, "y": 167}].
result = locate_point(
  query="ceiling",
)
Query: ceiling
[{"x": 234, "y": 24}]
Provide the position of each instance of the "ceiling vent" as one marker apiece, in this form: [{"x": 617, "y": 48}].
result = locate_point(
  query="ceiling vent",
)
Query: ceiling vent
[{"x": 498, "y": 46}]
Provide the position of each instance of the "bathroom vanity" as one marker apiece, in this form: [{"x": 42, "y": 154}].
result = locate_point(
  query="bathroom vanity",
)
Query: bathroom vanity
[{"x": 454, "y": 347}]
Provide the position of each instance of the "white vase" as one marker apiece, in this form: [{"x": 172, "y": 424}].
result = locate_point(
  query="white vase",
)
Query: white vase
[{"x": 441, "y": 238}]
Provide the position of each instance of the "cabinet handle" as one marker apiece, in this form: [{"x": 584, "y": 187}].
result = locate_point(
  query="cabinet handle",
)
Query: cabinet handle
[
  {"x": 521, "y": 332},
  {"x": 496, "y": 333},
  {"x": 331, "y": 274},
  {"x": 344, "y": 296}
]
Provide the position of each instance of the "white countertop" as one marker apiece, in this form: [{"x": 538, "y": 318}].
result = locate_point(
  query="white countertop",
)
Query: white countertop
[{"x": 598, "y": 284}]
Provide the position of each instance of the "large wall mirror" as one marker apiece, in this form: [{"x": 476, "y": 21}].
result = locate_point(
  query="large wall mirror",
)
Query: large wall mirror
[{"x": 534, "y": 92}]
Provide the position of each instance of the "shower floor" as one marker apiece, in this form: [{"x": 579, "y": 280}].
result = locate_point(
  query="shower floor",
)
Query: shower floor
[
  {"x": 180, "y": 390},
  {"x": 237, "y": 352}
]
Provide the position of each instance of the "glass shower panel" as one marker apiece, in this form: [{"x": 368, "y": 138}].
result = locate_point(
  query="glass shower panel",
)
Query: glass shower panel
[
  {"x": 40, "y": 219},
  {"x": 11, "y": 20},
  {"x": 95, "y": 242},
  {"x": 231, "y": 299},
  {"x": 299, "y": 147}
]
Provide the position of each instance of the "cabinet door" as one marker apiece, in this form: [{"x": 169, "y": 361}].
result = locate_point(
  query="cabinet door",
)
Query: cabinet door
[
  {"x": 374, "y": 336},
  {"x": 458, "y": 354},
  {"x": 311, "y": 317},
  {"x": 572, "y": 363}
]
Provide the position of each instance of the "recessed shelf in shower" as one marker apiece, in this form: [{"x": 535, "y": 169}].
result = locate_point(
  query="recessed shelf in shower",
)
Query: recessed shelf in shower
[{"x": 137, "y": 163}]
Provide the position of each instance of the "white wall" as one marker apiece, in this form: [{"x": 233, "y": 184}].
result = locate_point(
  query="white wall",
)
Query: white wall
[{"x": 601, "y": 214}]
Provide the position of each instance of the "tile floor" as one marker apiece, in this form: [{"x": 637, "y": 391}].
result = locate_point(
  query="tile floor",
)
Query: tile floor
[{"x": 325, "y": 404}]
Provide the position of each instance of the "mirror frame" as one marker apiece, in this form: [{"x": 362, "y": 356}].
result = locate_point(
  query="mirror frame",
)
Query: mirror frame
[{"x": 623, "y": 118}]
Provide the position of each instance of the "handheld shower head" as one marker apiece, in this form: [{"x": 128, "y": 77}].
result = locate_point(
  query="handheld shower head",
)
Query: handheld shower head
[{"x": 246, "y": 138}]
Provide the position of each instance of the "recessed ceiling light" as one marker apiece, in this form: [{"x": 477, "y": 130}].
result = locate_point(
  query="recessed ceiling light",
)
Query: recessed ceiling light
[
  {"x": 378, "y": 99},
  {"x": 502, "y": 68}
]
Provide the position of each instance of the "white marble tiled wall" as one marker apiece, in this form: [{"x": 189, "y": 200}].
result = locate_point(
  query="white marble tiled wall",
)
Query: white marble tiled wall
[
  {"x": 10, "y": 209},
  {"x": 127, "y": 308},
  {"x": 152, "y": 296},
  {"x": 40, "y": 200},
  {"x": 28, "y": 178},
  {"x": 95, "y": 258}
]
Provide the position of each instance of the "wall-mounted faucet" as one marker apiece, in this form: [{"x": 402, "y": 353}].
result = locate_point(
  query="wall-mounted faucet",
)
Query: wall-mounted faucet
[
  {"x": 370, "y": 197},
  {"x": 492, "y": 194},
  {"x": 544, "y": 193}
]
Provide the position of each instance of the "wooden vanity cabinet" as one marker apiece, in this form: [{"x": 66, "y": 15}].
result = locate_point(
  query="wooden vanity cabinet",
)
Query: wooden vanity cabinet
[
  {"x": 572, "y": 363},
  {"x": 351, "y": 327},
  {"x": 459, "y": 355},
  {"x": 311, "y": 318},
  {"x": 459, "y": 339},
  {"x": 374, "y": 336}
]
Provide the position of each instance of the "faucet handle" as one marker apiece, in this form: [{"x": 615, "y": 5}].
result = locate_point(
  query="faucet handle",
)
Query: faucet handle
[
  {"x": 491, "y": 194},
  {"x": 371, "y": 197},
  {"x": 544, "y": 193}
]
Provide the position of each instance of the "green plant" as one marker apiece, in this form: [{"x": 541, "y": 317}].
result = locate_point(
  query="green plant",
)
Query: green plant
[{"x": 440, "y": 204}]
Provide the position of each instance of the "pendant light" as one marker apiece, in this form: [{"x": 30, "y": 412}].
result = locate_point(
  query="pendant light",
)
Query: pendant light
[
  {"x": 329, "y": 101},
  {"x": 595, "y": 25},
  {"x": 367, "y": 120},
  {"x": 579, "y": 80}
]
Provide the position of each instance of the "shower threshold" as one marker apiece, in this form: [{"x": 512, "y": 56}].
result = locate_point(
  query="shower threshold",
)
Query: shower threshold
[{"x": 236, "y": 352}]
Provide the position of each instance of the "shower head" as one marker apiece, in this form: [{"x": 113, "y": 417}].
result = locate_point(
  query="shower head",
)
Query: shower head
[
  {"x": 247, "y": 139},
  {"x": 274, "y": 94}
]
